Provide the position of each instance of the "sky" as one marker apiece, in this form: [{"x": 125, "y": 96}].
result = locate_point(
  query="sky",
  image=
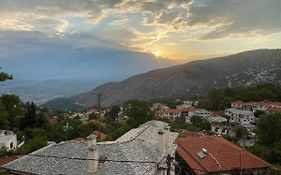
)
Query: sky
[{"x": 172, "y": 29}]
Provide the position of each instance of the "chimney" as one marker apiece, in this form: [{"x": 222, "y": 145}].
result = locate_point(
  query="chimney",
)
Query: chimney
[
  {"x": 167, "y": 135},
  {"x": 161, "y": 141},
  {"x": 91, "y": 140},
  {"x": 92, "y": 153}
]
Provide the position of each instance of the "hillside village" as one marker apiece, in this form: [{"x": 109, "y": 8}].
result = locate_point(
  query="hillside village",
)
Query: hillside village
[
  {"x": 154, "y": 147},
  {"x": 230, "y": 131}
]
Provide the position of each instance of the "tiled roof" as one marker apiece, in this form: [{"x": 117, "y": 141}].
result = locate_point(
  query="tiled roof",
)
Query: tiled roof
[
  {"x": 274, "y": 109},
  {"x": 5, "y": 160},
  {"x": 99, "y": 134},
  {"x": 218, "y": 119},
  {"x": 228, "y": 155},
  {"x": 239, "y": 102},
  {"x": 239, "y": 111},
  {"x": 136, "y": 145}
]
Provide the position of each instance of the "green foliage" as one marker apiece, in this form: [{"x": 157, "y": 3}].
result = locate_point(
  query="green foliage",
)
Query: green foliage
[
  {"x": 32, "y": 145},
  {"x": 179, "y": 124},
  {"x": 4, "y": 122},
  {"x": 4, "y": 76},
  {"x": 31, "y": 118},
  {"x": 259, "y": 113},
  {"x": 220, "y": 99},
  {"x": 113, "y": 114},
  {"x": 63, "y": 104},
  {"x": 268, "y": 133},
  {"x": 13, "y": 108},
  {"x": 35, "y": 139},
  {"x": 171, "y": 103},
  {"x": 138, "y": 112},
  {"x": 200, "y": 123},
  {"x": 93, "y": 116},
  {"x": 240, "y": 131},
  {"x": 268, "y": 129}
]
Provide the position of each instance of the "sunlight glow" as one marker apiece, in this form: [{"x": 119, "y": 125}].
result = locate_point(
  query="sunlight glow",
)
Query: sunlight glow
[{"x": 156, "y": 53}]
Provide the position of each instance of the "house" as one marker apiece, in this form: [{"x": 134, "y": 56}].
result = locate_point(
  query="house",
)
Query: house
[
  {"x": 140, "y": 151},
  {"x": 159, "y": 106},
  {"x": 273, "y": 110},
  {"x": 169, "y": 113},
  {"x": 219, "y": 125},
  {"x": 242, "y": 117},
  {"x": 190, "y": 112},
  {"x": 237, "y": 104},
  {"x": 255, "y": 105},
  {"x": 205, "y": 154},
  {"x": 8, "y": 140},
  {"x": 185, "y": 105},
  {"x": 202, "y": 113}
]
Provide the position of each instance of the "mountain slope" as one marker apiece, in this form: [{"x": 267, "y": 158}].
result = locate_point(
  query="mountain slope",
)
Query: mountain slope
[{"x": 194, "y": 78}]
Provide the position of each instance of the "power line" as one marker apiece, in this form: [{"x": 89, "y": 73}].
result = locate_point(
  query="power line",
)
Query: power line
[{"x": 102, "y": 160}]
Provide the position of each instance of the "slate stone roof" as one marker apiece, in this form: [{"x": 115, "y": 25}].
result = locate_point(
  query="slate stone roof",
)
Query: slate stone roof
[
  {"x": 136, "y": 145},
  {"x": 239, "y": 111},
  {"x": 218, "y": 119}
]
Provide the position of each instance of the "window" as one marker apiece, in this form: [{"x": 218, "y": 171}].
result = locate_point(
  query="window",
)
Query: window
[{"x": 11, "y": 145}]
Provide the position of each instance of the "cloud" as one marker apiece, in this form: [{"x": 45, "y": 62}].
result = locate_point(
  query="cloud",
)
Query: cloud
[
  {"x": 237, "y": 17},
  {"x": 140, "y": 23}
]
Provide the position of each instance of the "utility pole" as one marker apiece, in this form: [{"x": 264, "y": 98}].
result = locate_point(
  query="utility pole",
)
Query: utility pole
[
  {"x": 169, "y": 162},
  {"x": 99, "y": 103}
]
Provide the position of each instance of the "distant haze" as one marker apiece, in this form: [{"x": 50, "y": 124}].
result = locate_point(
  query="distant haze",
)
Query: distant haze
[{"x": 45, "y": 57}]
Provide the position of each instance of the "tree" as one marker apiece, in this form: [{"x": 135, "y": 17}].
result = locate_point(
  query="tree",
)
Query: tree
[
  {"x": 268, "y": 133},
  {"x": 138, "y": 112},
  {"x": 268, "y": 129},
  {"x": 4, "y": 122},
  {"x": 201, "y": 123},
  {"x": 13, "y": 107},
  {"x": 114, "y": 112},
  {"x": 240, "y": 131},
  {"x": 32, "y": 118},
  {"x": 4, "y": 76}
]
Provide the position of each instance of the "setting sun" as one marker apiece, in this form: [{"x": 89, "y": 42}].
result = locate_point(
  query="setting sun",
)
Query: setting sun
[{"x": 156, "y": 53}]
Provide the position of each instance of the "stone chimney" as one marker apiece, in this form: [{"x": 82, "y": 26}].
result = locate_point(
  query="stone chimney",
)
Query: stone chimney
[
  {"x": 167, "y": 135},
  {"x": 161, "y": 141},
  {"x": 92, "y": 153}
]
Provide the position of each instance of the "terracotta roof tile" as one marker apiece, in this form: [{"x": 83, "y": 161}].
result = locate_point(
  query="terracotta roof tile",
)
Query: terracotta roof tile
[
  {"x": 228, "y": 155},
  {"x": 5, "y": 160}
]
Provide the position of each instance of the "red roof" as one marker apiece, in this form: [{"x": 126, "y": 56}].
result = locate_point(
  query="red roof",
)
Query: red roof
[
  {"x": 81, "y": 139},
  {"x": 215, "y": 113},
  {"x": 172, "y": 110},
  {"x": 5, "y": 160},
  {"x": 239, "y": 102},
  {"x": 228, "y": 155},
  {"x": 99, "y": 134},
  {"x": 274, "y": 109}
]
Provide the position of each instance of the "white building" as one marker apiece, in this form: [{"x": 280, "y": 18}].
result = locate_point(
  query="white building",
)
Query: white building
[
  {"x": 159, "y": 106},
  {"x": 219, "y": 125},
  {"x": 202, "y": 113},
  {"x": 169, "y": 113},
  {"x": 240, "y": 116},
  {"x": 8, "y": 140}
]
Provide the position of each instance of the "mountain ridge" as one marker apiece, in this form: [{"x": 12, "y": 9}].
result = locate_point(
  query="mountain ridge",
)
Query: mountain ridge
[{"x": 192, "y": 79}]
